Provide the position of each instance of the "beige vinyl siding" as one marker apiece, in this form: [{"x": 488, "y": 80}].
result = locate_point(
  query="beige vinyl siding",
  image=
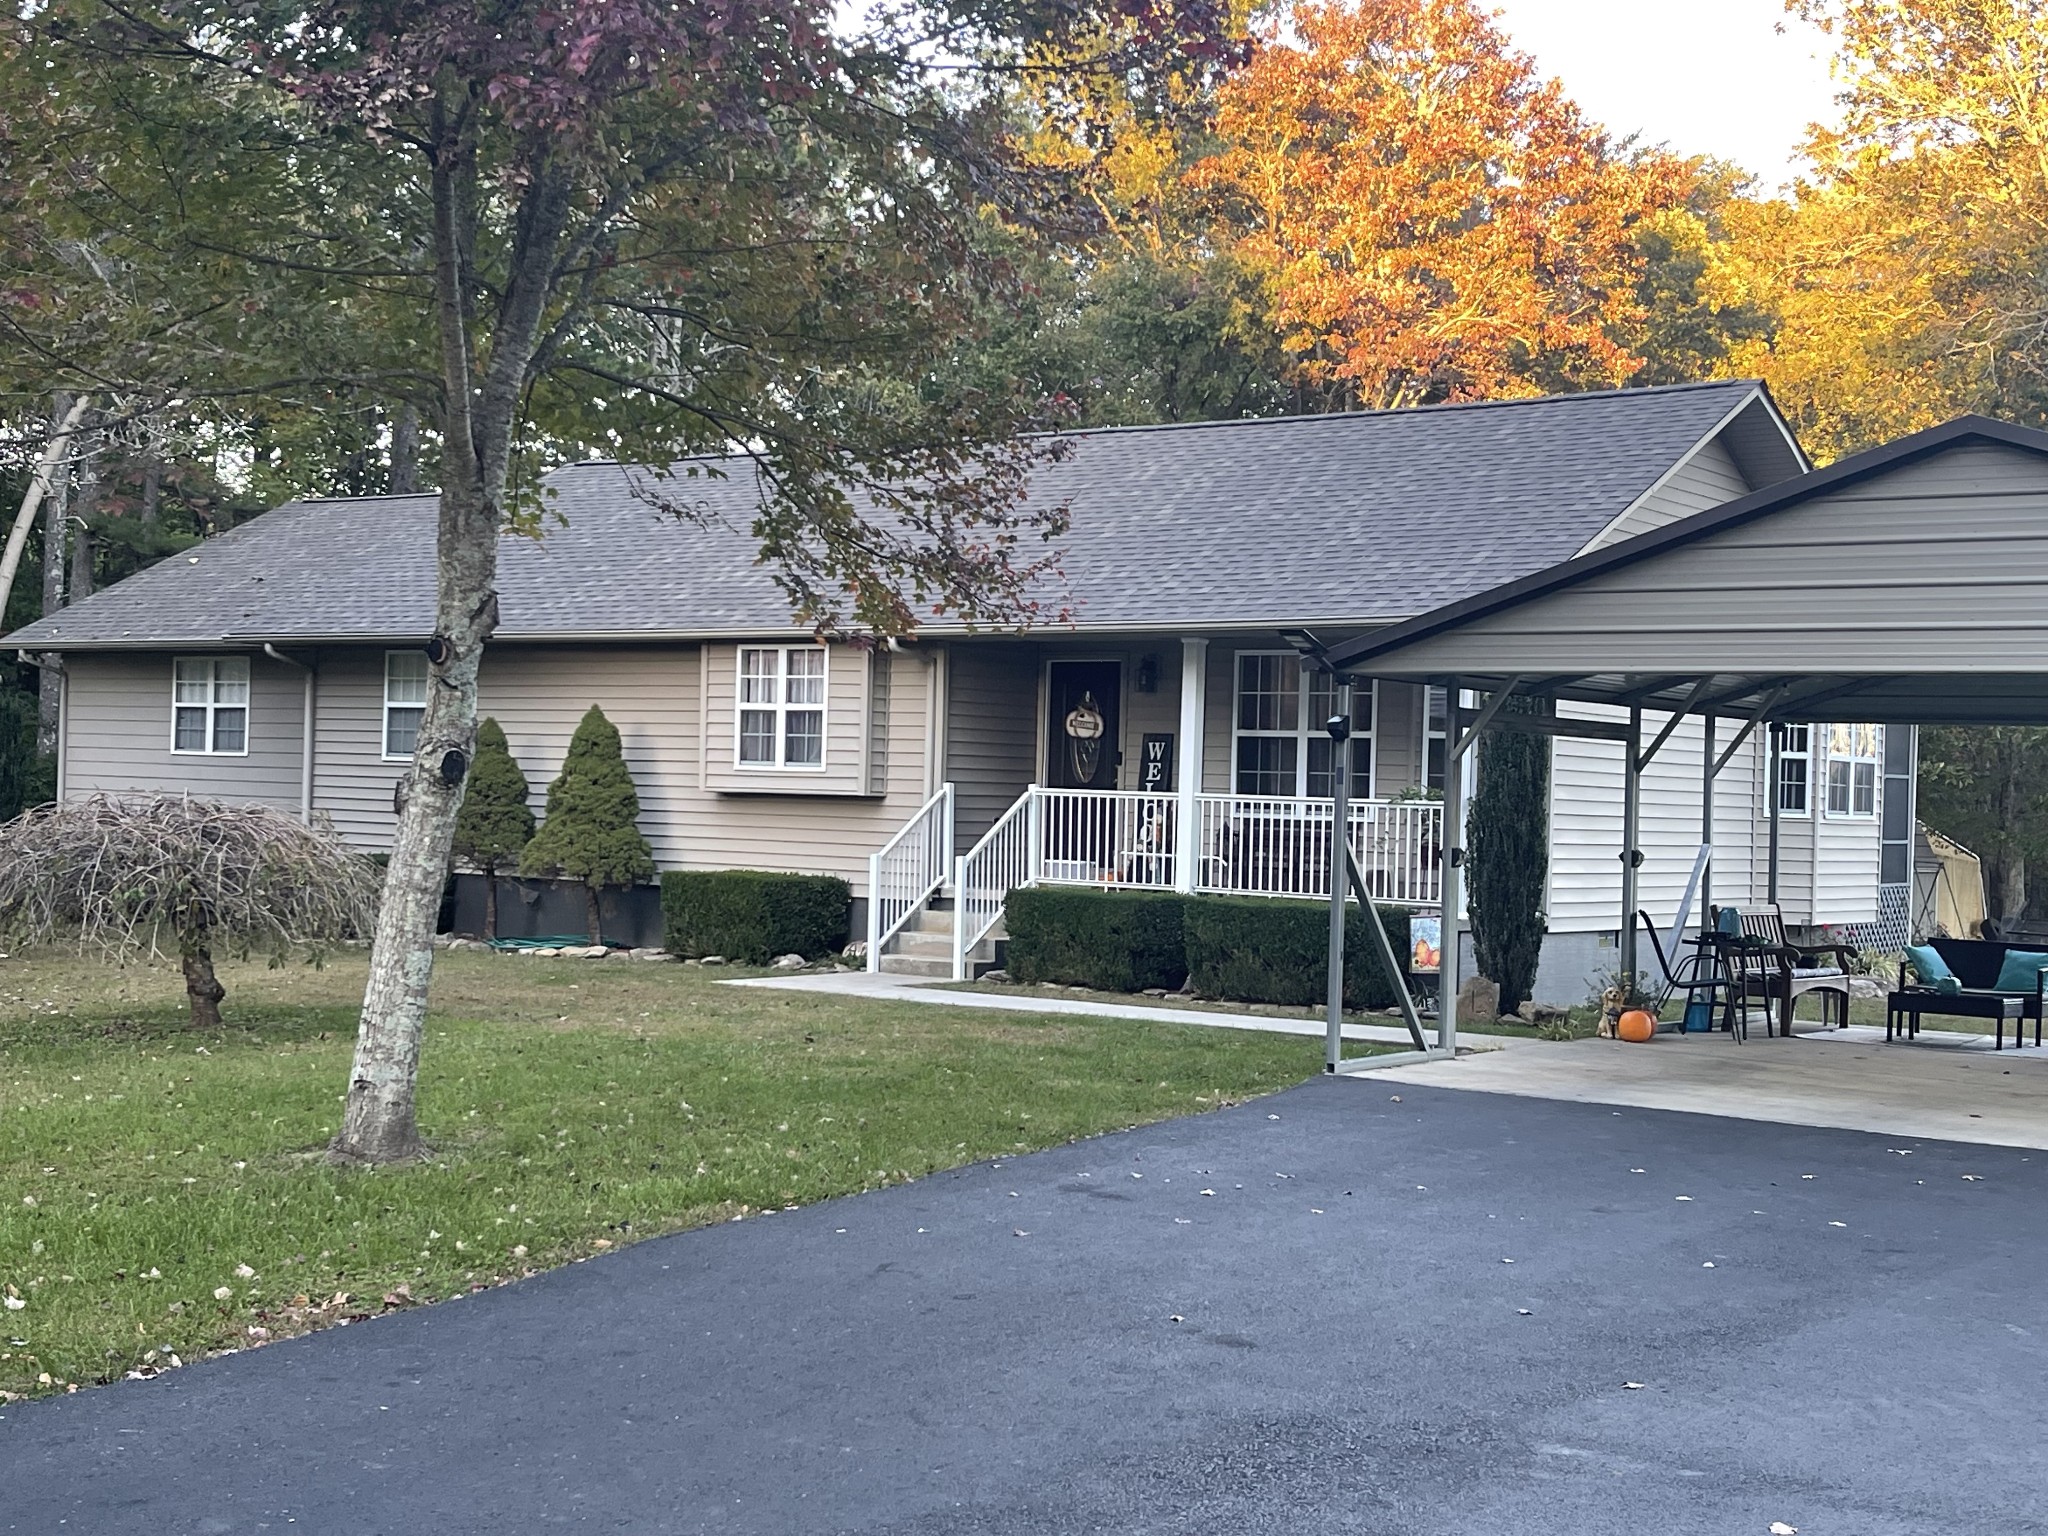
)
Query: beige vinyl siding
[
  {"x": 118, "y": 733},
  {"x": 351, "y": 781},
  {"x": 991, "y": 730},
  {"x": 1585, "y": 828},
  {"x": 1397, "y": 739},
  {"x": 849, "y": 699},
  {"x": 1708, "y": 479},
  {"x": 1899, "y": 573}
]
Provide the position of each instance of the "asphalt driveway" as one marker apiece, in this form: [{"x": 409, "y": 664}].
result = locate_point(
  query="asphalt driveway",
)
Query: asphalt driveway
[{"x": 1298, "y": 1316}]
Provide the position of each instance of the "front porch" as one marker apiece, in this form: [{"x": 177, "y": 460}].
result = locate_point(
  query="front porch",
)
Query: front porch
[{"x": 1201, "y": 844}]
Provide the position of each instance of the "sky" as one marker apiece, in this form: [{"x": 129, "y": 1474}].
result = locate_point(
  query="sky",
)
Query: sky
[{"x": 1704, "y": 77}]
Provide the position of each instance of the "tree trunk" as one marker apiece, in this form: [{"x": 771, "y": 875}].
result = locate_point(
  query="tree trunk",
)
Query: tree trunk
[
  {"x": 405, "y": 450},
  {"x": 2012, "y": 863},
  {"x": 592, "y": 915},
  {"x": 56, "y": 521},
  {"x": 490, "y": 901},
  {"x": 479, "y": 406},
  {"x": 202, "y": 988},
  {"x": 152, "y": 490},
  {"x": 49, "y": 466}
]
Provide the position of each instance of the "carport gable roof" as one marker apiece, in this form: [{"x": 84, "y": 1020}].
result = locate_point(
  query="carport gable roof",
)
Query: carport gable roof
[
  {"x": 1908, "y": 583},
  {"x": 1244, "y": 524}
]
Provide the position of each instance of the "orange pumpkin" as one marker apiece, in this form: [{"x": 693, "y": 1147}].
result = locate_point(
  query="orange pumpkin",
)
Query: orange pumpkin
[{"x": 1636, "y": 1025}]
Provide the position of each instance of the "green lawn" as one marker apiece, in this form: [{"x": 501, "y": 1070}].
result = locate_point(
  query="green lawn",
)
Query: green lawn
[{"x": 162, "y": 1193}]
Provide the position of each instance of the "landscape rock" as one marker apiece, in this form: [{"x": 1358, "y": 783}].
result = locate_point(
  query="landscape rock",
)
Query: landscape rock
[
  {"x": 714, "y": 960},
  {"x": 1545, "y": 1013},
  {"x": 796, "y": 962},
  {"x": 857, "y": 950},
  {"x": 1161, "y": 991},
  {"x": 544, "y": 954},
  {"x": 618, "y": 954},
  {"x": 649, "y": 954},
  {"x": 1866, "y": 986},
  {"x": 995, "y": 975},
  {"x": 1479, "y": 999}
]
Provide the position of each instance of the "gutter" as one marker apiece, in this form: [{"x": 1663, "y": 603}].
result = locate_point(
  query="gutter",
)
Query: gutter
[{"x": 305, "y": 730}]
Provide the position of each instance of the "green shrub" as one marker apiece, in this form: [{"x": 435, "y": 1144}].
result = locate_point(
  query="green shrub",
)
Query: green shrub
[
  {"x": 1263, "y": 951},
  {"x": 1119, "y": 941},
  {"x": 753, "y": 915}
]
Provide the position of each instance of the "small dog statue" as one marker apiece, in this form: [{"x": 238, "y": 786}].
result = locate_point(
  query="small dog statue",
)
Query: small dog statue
[{"x": 1611, "y": 1004}]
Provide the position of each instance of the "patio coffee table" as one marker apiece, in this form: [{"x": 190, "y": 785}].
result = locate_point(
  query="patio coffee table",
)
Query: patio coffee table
[{"x": 1904, "y": 1007}]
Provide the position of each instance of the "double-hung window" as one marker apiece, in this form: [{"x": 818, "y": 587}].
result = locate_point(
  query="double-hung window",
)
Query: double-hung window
[
  {"x": 1280, "y": 746},
  {"x": 210, "y": 705},
  {"x": 405, "y": 701},
  {"x": 1853, "y": 755},
  {"x": 1436, "y": 740},
  {"x": 782, "y": 706},
  {"x": 1795, "y": 770}
]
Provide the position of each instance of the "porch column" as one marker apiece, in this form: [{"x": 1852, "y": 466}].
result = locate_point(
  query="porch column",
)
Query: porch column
[
  {"x": 1771, "y": 791},
  {"x": 1194, "y": 688},
  {"x": 1706, "y": 819}
]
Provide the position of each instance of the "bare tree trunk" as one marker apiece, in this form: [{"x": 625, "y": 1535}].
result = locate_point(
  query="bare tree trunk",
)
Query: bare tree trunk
[
  {"x": 56, "y": 520},
  {"x": 152, "y": 490},
  {"x": 202, "y": 988},
  {"x": 490, "y": 901},
  {"x": 592, "y": 915},
  {"x": 2012, "y": 862},
  {"x": 405, "y": 450},
  {"x": 49, "y": 466},
  {"x": 479, "y": 408}
]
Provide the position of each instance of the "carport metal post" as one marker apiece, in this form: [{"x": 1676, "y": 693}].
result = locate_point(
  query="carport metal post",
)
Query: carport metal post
[
  {"x": 1340, "y": 862},
  {"x": 1706, "y": 819},
  {"x": 1775, "y": 789},
  {"x": 1631, "y": 830},
  {"x": 1453, "y": 893}
]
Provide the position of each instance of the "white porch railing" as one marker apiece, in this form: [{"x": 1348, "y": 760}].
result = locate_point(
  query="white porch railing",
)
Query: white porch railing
[
  {"x": 987, "y": 873},
  {"x": 907, "y": 869},
  {"x": 1248, "y": 845}
]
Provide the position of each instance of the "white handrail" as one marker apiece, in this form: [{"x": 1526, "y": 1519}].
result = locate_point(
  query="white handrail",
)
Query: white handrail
[
  {"x": 905, "y": 871},
  {"x": 1004, "y": 859}
]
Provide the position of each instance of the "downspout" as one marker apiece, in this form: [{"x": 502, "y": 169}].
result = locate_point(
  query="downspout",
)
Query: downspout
[{"x": 305, "y": 731}]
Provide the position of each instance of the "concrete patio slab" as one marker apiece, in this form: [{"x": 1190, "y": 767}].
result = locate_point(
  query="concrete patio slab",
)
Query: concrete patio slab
[{"x": 1949, "y": 1086}]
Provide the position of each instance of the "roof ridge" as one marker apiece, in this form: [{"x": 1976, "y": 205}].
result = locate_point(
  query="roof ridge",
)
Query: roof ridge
[{"x": 1561, "y": 397}]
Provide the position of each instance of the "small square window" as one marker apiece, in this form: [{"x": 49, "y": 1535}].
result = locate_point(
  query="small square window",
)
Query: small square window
[
  {"x": 781, "y": 714},
  {"x": 210, "y": 704}
]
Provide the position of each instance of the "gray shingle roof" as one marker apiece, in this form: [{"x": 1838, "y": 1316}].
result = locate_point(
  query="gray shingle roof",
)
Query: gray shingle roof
[{"x": 1364, "y": 517}]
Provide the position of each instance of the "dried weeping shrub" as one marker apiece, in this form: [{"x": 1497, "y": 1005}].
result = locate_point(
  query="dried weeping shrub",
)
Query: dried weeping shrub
[{"x": 121, "y": 874}]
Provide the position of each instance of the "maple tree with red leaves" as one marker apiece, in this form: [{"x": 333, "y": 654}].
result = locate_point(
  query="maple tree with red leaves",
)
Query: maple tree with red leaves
[{"x": 1432, "y": 220}]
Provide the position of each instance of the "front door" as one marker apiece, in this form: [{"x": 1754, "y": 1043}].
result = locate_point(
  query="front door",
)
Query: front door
[{"x": 1083, "y": 727}]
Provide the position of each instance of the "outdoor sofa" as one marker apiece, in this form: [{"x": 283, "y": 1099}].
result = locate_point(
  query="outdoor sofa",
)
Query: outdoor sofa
[{"x": 1992, "y": 980}]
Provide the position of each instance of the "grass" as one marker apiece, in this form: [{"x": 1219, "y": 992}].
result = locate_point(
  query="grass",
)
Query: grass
[{"x": 163, "y": 1195}]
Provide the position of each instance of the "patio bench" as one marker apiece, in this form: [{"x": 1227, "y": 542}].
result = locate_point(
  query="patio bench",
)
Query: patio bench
[{"x": 1983, "y": 989}]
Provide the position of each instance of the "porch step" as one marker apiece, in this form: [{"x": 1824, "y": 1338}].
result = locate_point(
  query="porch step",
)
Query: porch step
[
  {"x": 939, "y": 966},
  {"x": 929, "y": 920},
  {"x": 924, "y": 943}
]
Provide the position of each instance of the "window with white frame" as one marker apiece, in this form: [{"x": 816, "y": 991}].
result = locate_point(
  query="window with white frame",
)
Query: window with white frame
[
  {"x": 1795, "y": 770},
  {"x": 782, "y": 706},
  {"x": 405, "y": 701},
  {"x": 1279, "y": 746},
  {"x": 1854, "y": 752},
  {"x": 1436, "y": 719},
  {"x": 210, "y": 705}
]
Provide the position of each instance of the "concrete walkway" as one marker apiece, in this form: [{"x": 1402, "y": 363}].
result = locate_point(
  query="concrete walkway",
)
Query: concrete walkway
[
  {"x": 1949, "y": 1086},
  {"x": 910, "y": 989}
]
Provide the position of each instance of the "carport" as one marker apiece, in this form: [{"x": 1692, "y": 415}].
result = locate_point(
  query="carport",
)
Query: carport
[{"x": 1905, "y": 586}]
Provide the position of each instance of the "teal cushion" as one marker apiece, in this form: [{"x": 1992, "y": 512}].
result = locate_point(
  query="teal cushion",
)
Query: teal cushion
[
  {"x": 1929, "y": 966},
  {"x": 2021, "y": 971}
]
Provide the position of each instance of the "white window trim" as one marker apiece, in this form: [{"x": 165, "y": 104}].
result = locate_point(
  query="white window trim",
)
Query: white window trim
[
  {"x": 781, "y": 709},
  {"x": 384, "y": 741},
  {"x": 1305, "y": 730},
  {"x": 1875, "y": 759},
  {"x": 212, "y": 706},
  {"x": 1812, "y": 780}
]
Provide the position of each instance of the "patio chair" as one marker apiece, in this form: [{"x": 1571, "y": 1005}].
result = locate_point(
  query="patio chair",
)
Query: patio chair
[
  {"x": 1768, "y": 957},
  {"x": 1699, "y": 975}
]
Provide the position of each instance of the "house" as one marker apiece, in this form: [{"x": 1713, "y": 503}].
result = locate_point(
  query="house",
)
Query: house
[{"x": 1168, "y": 736}]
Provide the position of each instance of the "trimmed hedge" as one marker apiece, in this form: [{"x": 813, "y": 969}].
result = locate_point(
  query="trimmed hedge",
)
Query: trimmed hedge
[
  {"x": 1257, "y": 950},
  {"x": 753, "y": 915},
  {"x": 1117, "y": 941}
]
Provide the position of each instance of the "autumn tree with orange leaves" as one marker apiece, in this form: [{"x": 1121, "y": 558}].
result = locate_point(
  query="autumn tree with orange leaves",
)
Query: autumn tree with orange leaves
[{"x": 1432, "y": 220}]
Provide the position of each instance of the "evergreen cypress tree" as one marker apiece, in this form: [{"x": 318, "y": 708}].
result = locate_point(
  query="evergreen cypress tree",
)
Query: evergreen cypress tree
[
  {"x": 495, "y": 823},
  {"x": 1509, "y": 852},
  {"x": 589, "y": 833}
]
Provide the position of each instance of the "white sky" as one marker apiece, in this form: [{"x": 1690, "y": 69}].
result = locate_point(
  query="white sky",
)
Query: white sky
[{"x": 1705, "y": 77}]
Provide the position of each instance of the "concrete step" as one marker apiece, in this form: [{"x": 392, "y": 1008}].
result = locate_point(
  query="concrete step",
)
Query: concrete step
[
  {"x": 918, "y": 965},
  {"x": 915, "y": 941},
  {"x": 925, "y": 920}
]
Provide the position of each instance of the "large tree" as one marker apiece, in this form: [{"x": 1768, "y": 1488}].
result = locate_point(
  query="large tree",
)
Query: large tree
[
  {"x": 636, "y": 227},
  {"x": 1432, "y": 219}
]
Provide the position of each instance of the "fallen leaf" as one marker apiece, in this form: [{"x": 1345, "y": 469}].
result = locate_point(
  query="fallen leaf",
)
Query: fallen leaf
[
  {"x": 1780, "y": 1528},
  {"x": 1523, "y": 1312},
  {"x": 1681, "y": 1197},
  {"x": 1972, "y": 1178},
  {"x": 1208, "y": 1191},
  {"x": 1838, "y": 1223},
  {"x": 1632, "y": 1386},
  {"x": 1015, "y": 1232},
  {"x": 1708, "y": 1265},
  {"x": 1175, "y": 1318}
]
